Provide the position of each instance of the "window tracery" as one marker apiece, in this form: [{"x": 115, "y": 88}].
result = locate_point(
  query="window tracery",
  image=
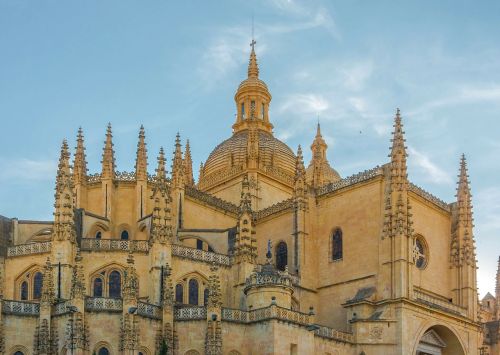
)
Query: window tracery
[
  {"x": 29, "y": 284},
  {"x": 421, "y": 252},
  {"x": 107, "y": 282}
]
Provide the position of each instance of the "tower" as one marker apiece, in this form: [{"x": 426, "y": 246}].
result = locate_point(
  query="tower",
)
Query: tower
[
  {"x": 463, "y": 254},
  {"x": 398, "y": 242}
]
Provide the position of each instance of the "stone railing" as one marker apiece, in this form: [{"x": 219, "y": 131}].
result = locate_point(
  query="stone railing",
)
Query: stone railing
[
  {"x": 348, "y": 181},
  {"x": 190, "y": 313},
  {"x": 428, "y": 196},
  {"x": 93, "y": 178},
  {"x": 276, "y": 208},
  {"x": 200, "y": 255},
  {"x": 61, "y": 308},
  {"x": 149, "y": 310},
  {"x": 330, "y": 333},
  {"x": 30, "y": 248},
  {"x": 261, "y": 278},
  {"x": 21, "y": 308},
  {"x": 92, "y": 244},
  {"x": 102, "y": 304},
  {"x": 211, "y": 200},
  {"x": 125, "y": 176},
  {"x": 438, "y": 303},
  {"x": 267, "y": 313}
]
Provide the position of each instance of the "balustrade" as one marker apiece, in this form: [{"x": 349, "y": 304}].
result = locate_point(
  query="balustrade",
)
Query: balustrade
[
  {"x": 30, "y": 248},
  {"x": 200, "y": 255},
  {"x": 21, "y": 308},
  {"x": 103, "y": 304},
  {"x": 92, "y": 244}
]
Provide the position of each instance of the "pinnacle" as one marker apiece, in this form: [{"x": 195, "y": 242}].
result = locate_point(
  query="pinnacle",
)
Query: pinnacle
[
  {"x": 160, "y": 171},
  {"x": 253, "y": 67}
]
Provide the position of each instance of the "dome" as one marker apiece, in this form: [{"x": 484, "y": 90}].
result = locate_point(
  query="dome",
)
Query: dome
[{"x": 232, "y": 153}]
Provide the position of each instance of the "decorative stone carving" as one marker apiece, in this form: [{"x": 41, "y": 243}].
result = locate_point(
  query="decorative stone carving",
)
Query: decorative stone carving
[
  {"x": 129, "y": 335},
  {"x": 168, "y": 297},
  {"x": 78, "y": 279},
  {"x": 48, "y": 295},
  {"x": 211, "y": 200},
  {"x": 46, "y": 339},
  {"x": 77, "y": 333},
  {"x": 130, "y": 280},
  {"x": 213, "y": 341}
]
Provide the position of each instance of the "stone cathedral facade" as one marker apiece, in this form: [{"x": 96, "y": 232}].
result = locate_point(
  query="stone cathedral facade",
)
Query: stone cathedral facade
[{"x": 261, "y": 255}]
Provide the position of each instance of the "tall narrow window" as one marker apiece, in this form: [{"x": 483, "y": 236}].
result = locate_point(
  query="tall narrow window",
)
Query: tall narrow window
[
  {"x": 193, "y": 292},
  {"x": 420, "y": 252},
  {"x": 98, "y": 235},
  {"x": 179, "y": 293},
  {"x": 337, "y": 252},
  {"x": 115, "y": 285},
  {"x": 262, "y": 111},
  {"x": 24, "y": 290},
  {"x": 124, "y": 235},
  {"x": 97, "y": 287},
  {"x": 205, "y": 297},
  {"x": 281, "y": 256},
  {"x": 243, "y": 110},
  {"x": 199, "y": 244},
  {"x": 37, "y": 286},
  {"x": 252, "y": 109}
]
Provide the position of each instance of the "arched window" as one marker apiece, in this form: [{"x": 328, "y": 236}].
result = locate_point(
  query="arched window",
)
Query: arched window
[
  {"x": 193, "y": 292},
  {"x": 421, "y": 254},
  {"x": 179, "y": 293},
  {"x": 115, "y": 285},
  {"x": 97, "y": 287},
  {"x": 98, "y": 235},
  {"x": 18, "y": 353},
  {"x": 124, "y": 235},
  {"x": 242, "y": 110},
  {"x": 281, "y": 256},
  {"x": 199, "y": 244},
  {"x": 205, "y": 297},
  {"x": 24, "y": 290},
  {"x": 337, "y": 252},
  {"x": 37, "y": 286},
  {"x": 103, "y": 351}
]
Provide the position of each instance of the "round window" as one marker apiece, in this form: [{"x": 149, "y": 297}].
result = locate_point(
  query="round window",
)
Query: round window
[{"x": 421, "y": 257}]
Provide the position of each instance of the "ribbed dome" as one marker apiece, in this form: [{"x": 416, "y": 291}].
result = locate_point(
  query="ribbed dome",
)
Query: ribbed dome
[{"x": 233, "y": 152}]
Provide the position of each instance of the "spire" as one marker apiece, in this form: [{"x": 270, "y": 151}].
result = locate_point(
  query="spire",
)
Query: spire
[
  {"x": 300, "y": 174},
  {"x": 177, "y": 164},
  {"x": 188, "y": 165},
  {"x": 161, "y": 227},
  {"x": 141, "y": 161},
  {"x": 465, "y": 219},
  {"x": 398, "y": 155},
  {"x": 253, "y": 67},
  {"x": 64, "y": 225},
  {"x": 108, "y": 158},
  {"x": 80, "y": 162}
]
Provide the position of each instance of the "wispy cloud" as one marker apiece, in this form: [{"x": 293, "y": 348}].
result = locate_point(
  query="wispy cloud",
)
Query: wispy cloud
[
  {"x": 432, "y": 172},
  {"x": 27, "y": 169}
]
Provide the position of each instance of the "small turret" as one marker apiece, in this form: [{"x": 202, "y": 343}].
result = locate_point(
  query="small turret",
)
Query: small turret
[
  {"x": 108, "y": 157},
  {"x": 319, "y": 172},
  {"x": 161, "y": 225},
  {"x": 188, "y": 165},
  {"x": 141, "y": 161}
]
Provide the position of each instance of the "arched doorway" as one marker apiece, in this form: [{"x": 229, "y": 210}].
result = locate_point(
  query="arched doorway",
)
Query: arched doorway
[{"x": 439, "y": 340}]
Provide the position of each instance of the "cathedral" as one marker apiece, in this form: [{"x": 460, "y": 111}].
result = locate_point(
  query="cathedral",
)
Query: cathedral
[{"x": 263, "y": 254}]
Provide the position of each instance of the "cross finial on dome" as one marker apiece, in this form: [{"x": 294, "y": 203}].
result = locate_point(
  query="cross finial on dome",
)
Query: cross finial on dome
[{"x": 253, "y": 68}]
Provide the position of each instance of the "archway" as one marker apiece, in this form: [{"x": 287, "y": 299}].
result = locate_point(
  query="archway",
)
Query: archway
[{"x": 439, "y": 340}]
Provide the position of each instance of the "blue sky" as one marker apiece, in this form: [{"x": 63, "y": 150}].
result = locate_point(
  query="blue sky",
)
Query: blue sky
[{"x": 175, "y": 66}]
